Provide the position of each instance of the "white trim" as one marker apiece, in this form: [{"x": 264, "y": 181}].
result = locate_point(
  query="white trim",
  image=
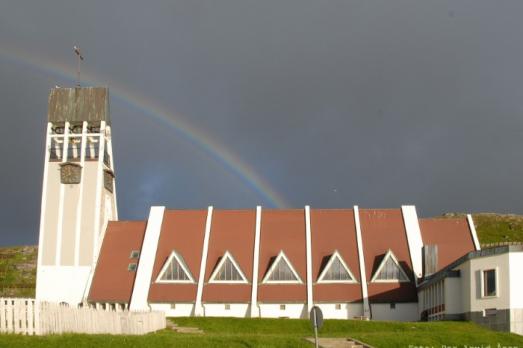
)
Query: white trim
[
  {"x": 473, "y": 233},
  {"x": 226, "y": 256},
  {"x": 98, "y": 197},
  {"x": 181, "y": 262},
  {"x": 60, "y": 221},
  {"x": 97, "y": 202},
  {"x": 390, "y": 255},
  {"x": 142, "y": 281},
  {"x": 43, "y": 203},
  {"x": 336, "y": 255},
  {"x": 198, "y": 308},
  {"x": 308, "y": 244},
  {"x": 280, "y": 256},
  {"x": 79, "y": 209},
  {"x": 111, "y": 157},
  {"x": 415, "y": 243},
  {"x": 255, "y": 312},
  {"x": 361, "y": 261}
]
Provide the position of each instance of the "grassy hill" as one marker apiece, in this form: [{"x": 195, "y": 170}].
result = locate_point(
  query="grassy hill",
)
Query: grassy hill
[
  {"x": 18, "y": 264},
  {"x": 18, "y": 271},
  {"x": 496, "y": 228}
]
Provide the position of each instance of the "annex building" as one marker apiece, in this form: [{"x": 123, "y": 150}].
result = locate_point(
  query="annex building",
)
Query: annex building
[{"x": 380, "y": 264}]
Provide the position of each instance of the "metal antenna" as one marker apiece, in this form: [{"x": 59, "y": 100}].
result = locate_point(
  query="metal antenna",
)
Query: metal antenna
[{"x": 80, "y": 58}]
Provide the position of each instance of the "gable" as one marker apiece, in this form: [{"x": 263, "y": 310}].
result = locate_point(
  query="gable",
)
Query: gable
[
  {"x": 389, "y": 270},
  {"x": 282, "y": 271},
  {"x": 336, "y": 271},
  {"x": 175, "y": 270},
  {"x": 227, "y": 271}
]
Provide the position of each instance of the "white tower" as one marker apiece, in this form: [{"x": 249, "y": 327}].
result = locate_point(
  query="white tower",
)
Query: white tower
[{"x": 78, "y": 192}]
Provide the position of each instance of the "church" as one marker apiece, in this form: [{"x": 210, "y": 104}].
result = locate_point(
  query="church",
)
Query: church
[{"x": 354, "y": 263}]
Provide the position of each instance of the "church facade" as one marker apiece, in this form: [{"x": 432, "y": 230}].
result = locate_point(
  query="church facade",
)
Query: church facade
[{"x": 382, "y": 264}]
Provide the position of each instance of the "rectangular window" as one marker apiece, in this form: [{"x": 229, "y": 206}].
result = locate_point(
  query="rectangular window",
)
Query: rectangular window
[
  {"x": 134, "y": 254},
  {"x": 393, "y": 305},
  {"x": 132, "y": 267},
  {"x": 338, "y": 306},
  {"x": 489, "y": 282},
  {"x": 227, "y": 307},
  {"x": 173, "y": 305},
  {"x": 282, "y": 307}
]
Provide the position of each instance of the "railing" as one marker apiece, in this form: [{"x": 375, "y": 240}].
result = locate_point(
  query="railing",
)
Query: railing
[{"x": 27, "y": 316}]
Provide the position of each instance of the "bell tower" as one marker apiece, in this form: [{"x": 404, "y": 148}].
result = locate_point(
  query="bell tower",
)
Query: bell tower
[{"x": 78, "y": 192}]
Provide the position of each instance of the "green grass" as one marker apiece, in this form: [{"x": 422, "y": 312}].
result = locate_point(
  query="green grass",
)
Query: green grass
[
  {"x": 18, "y": 271},
  {"x": 229, "y": 332},
  {"x": 496, "y": 228}
]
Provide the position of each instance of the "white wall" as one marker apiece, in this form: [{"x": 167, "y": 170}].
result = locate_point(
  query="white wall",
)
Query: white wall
[
  {"x": 62, "y": 283},
  {"x": 292, "y": 310},
  {"x": 502, "y": 299},
  {"x": 402, "y": 312},
  {"x": 347, "y": 310},
  {"x": 516, "y": 279},
  {"x": 239, "y": 310},
  {"x": 453, "y": 296},
  {"x": 179, "y": 310}
]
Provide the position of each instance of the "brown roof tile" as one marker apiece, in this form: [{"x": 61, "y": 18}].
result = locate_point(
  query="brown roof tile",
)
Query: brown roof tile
[
  {"x": 333, "y": 230},
  {"x": 233, "y": 231},
  {"x": 112, "y": 281},
  {"x": 282, "y": 230},
  {"x": 452, "y": 236},
  {"x": 381, "y": 230},
  {"x": 183, "y": 231}
]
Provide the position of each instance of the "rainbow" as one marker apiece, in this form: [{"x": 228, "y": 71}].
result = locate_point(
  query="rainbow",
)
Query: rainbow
[{"x": 192, "y": 135}]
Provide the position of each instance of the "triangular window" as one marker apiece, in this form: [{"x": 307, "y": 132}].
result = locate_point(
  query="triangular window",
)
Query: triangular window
[
  {"x": 175, "y": 270},
  {"x": 281, "y": 271},
  {"x": 336, "y": 271},
  {"x": 389, "y": 270},
  {"x": 227, "y": 271}
]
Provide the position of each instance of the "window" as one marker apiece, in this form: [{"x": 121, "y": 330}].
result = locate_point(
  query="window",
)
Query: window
[
  {"x": 281, "y": 272},
  {"x": 338, "y": 306},
  {"x": 108, "y": 180},
  {"x": 173, "y": 305},
  {"x": 336, "y": 271},
  {"x": 175, "y": 270},
  {"x": 227, "y": 271},
  {"x": 392, "y": 305},
  {"x": 282, "y": 307},
  {"x": 134, "y": 254},
  {"x": 131, "y": 267},
  {"x": 389, "y": 270},
  {"x": 489, "y": 283},
  {"x": 227, "y": 307}
]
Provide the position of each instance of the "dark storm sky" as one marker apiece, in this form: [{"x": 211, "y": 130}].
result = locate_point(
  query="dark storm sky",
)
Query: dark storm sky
[{"x": 331, "y": 103}]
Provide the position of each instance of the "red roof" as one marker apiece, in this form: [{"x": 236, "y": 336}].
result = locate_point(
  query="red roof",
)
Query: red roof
[
  {"x": 333, "y": 230},
  {"x": 381, "y": 230},
  {"x": 112, "y": 281},
  {"x": 232, "y": 231},
  {"x": 282, "y": 230},
  {"x": 452, "y": 236},
  {"x": 182, "y": 231}
]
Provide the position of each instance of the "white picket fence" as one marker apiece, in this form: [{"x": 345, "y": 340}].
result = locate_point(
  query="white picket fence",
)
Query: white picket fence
[{"x": 27, "y": 316}]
